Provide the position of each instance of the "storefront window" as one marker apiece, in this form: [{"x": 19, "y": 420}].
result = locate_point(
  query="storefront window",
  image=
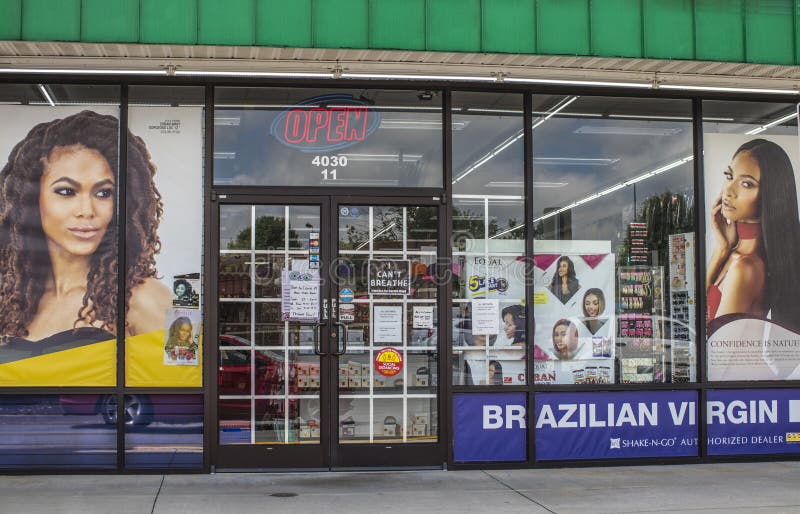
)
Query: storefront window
[
  {"x": 58, "y": 202},
  {"x": 164, "y": 235},
  {"x": 488, "y": 239},
  {"x": 614, "y": 228},
  {"x": 314, "y": 137},
  {"x": 752, "y": 232}
]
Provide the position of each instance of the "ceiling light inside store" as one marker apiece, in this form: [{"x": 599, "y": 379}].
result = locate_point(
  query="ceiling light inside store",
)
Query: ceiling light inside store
[
  {"x": 656, "y": 117},
  {"x": 622, "y": 130},
  {"x": 46, "y": 95},
  {"x": 488, "y": 111},
  {"x": 771, "y": 124},
  {"x": 513, "y": 139},
  {"x": 227, "y": 121},
  {"x": 419, "y": 124},
  {"x": 616, "y": 187},
  {"x": 378, "y": 233},
  {"x": 575, "y": 161},
  {"x": 557, "y": 109},
  {"x": 513, "y": 184},
  {"x": 225, "y": 155},
  {"x": 388, "y": 157},
  {"x": 507, "y": 231},
  {"x": 548, "y": 185}
]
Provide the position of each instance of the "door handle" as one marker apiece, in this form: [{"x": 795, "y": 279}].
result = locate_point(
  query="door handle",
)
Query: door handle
[
  {"x": 343, "y": 340},
  {"x": 317, "y": 349}
]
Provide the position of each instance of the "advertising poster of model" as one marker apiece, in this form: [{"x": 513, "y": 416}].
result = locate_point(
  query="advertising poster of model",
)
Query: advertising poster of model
[
  {"x": 58, "y": 233},
  {"x": 575, "y": 326},
  {"x": 495, "y": 279},
  {"x": 752, "y": 245}
]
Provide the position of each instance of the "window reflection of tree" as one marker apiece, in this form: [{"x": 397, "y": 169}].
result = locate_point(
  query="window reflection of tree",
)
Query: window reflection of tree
[{"x": 269, "y": 235}]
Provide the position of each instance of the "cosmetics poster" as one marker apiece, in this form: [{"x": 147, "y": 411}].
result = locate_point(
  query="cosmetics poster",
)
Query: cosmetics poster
[
  {"x": 60, "y": 185},
  {"x": 173, "y": 136},
  {"x": 494, "y": 273},
  {"x": 574, "y": 297},
  {"x": 57, "y": 198},
  {"x": 752, "y": 230}
]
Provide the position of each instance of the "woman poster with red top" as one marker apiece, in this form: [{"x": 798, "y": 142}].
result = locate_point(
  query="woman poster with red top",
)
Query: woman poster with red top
[{"x": 752, "y": 245}]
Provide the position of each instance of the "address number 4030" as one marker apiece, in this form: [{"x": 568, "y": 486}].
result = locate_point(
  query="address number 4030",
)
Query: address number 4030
[{"x": 330, "y": 163}]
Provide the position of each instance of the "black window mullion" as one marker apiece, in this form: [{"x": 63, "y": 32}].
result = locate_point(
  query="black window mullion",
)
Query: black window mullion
[{"x": 122, "y": 174}]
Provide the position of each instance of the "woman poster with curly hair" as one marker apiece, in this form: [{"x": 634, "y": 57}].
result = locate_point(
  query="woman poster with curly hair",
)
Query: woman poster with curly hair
[{"x": 58, "y": 250}]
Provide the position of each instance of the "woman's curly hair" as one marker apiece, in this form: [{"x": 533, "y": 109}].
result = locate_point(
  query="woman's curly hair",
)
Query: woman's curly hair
[{"x": 24, "y": 258}]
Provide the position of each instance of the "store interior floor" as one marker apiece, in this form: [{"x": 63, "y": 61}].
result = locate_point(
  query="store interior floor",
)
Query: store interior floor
[{"x": 741, "y": 487}]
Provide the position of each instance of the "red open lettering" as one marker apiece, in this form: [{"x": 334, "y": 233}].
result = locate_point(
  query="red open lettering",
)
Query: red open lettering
[
  {"x": 338, "y": 124},
  {"x": 296, "y": 125},
  {"x": 356, "y": 124},
  {"x": 318, "y": 121}
]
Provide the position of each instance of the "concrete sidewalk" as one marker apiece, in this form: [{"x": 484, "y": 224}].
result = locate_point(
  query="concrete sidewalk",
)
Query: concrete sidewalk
[{"x": 750, "y": 487}]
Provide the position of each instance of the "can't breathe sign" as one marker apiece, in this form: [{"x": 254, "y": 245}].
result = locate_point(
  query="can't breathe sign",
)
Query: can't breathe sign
[{"x": 389, "y": 277}]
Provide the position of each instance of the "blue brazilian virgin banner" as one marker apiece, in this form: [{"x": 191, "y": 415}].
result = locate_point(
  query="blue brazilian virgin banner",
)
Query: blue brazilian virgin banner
[
  {"x": 489, "y": 427},
  {"x": 616, "y": 425},
  {"x": 753, "y": 421}
]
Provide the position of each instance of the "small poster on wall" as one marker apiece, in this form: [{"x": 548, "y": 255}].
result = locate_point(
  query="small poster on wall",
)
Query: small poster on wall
[
  {"x": 485, "y": 317},
  {"x": 389, "y": 277},
  {"x": 186, "y": 291},
  {"x": 387, "y": 324},
  {"x": 300, "y": 295},
  {"x": 182, "y": 338}
]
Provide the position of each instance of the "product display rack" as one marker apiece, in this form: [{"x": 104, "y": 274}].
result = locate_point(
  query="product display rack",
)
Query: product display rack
[{"x": 640, "y": 342}]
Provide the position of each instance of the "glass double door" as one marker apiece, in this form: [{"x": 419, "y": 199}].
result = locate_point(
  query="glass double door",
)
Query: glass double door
[{"x": 327, "y": 332}]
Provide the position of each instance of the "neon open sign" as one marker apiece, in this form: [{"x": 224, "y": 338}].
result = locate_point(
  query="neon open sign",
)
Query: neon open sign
[{"x": 325, "y": 123}]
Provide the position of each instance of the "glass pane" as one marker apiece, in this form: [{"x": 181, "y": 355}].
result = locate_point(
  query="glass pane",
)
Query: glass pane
[
  {"x": 423, "y": 420},
  {"x": 234, "y": 275},
  {"x": 315, "y": 137},
  {"x": 235, "y": 227},
  {"x": 235, "y": 372},
  {"x": 235, "y": 425},
  {"x": 354, "y": 228},
  {"x": 80, "y": 432},
  {"x": 268, "y": 275},
  {"x": 422, "y": 228},
  {"x": 269, "y": 326},
  {"x": 614, "y": 199},
  {"x": 423, "y": 377},
  {"x": 234, "y": 324},
  {"x": 270, "y": 227},
  {"x": 303, "y": 220},
  {"x": 488, "y": 238},
  {"x": 354, "y": 420},
  {"x": 270, "y": 373},
  {"x": 388, "y": 228},
  {"x": 388, "y": 422},
  {"x": 172, "y": 439},
  {"x": 355, "y": 368},
  {"x": 752, "y": 239}
]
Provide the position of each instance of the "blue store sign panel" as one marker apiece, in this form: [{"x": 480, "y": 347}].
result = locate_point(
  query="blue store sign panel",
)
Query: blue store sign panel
[
  {"x": 616, "y": 425},
  {"x": 747, "y": 421},
  {"x": 489, "y": 427}
]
